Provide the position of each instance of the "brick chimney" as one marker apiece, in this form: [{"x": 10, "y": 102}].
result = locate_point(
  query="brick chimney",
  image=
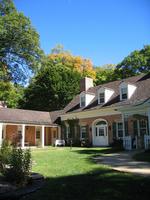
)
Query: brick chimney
[{"x": 85, "y": 84}]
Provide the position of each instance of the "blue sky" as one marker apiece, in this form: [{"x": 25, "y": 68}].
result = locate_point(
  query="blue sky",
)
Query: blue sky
[{"x": 104, "y": 31}]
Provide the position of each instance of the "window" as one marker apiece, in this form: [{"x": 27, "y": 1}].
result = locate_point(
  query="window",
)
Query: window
[
  {"x": 143, "y": 127},
  {"x": 83, "y": 132},
  {"x": 82, "y": 101},
  {"x": 38, "y": 135},
  {"x": 124, "y": 93},
  {"x": 119, "y": 129},
  {"x": 101, "y": 97}
]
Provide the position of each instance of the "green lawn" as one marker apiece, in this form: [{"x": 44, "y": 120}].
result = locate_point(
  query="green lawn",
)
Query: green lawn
[{"x": 72, "y": 175}]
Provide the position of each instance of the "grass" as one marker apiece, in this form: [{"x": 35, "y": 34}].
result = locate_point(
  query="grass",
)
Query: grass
[
  {"x": 142, "y": 156},
  {"x": 72, "y": 175}
]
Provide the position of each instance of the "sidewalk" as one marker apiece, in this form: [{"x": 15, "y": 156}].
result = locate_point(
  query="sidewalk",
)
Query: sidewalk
[{"x": 123, "y": 162}]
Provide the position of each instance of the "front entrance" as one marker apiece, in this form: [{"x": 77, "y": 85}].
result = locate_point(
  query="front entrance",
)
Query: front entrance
[{"x": 100, "y": 135}]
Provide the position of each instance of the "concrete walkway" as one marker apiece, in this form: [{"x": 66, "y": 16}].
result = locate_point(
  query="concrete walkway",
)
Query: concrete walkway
[{"x": 123, "y": 162}]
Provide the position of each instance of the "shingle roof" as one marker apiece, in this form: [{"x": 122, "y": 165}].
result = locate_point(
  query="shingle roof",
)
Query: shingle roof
[
  {"x": 26, "y": 116},
  {"x": 142, "y": 93}
]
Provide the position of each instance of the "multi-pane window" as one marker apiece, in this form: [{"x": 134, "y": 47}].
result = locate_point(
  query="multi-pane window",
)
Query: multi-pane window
[
  {"x": 83, "y": 132},
  {"x": 143, "y": 127},
  {"x": 119, "y": 129},
  {"x": 124, "y": 93},
  {"x": 101, "y": 97},
  {"x": 82, "y": 101}
]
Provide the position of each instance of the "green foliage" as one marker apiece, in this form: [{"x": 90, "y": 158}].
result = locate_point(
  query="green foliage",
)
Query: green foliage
[
  {"x": 10, "y": 93},
  {"x": 20, "y": 166},
  {"x": 20, "y": 52},
  {"x": 5, "y": 153},
  {"x": 15, "y": 163},
  {"x": 105, "y": 74},
  {"x": 137, "y": 62},
  {"x": 52, "y": 88}
]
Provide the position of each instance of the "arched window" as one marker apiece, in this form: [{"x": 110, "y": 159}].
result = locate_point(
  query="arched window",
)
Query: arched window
[{"x": 101, "y": 123}]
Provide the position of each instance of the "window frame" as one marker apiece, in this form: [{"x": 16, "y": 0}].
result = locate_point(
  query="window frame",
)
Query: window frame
[
  {"x": 100, "y": 99},
  {"x": 119, "y": 129},
  {"x": 81, "y": 132},
  {"x": 82, "y": 103},
  {"x": 121, "y": 93}
]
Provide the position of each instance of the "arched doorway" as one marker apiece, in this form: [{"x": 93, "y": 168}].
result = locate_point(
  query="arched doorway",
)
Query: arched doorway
[{"x": 100, "y": 132}]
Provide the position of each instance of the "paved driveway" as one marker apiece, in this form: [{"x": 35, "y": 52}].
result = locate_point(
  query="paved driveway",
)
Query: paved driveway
[{"x": 123, "y": 162}]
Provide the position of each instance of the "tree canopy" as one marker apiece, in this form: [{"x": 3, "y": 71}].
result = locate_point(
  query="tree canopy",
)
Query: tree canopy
[
  {"x": 20, "y": 52},
  {"x": 60, "y": 57},
  {"x": 52, "y": 88},
  {"x": 137, "y": 62}
]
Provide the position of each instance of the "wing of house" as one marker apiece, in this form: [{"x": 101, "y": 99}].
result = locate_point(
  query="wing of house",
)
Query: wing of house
[{"x": 115, "y": 110}]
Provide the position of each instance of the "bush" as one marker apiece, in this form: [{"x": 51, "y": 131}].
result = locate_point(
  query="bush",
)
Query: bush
[
  {"x": 15, "y": 165},
  {"x": 117, "y": 144},
  {"x": 5, "y": 154}
]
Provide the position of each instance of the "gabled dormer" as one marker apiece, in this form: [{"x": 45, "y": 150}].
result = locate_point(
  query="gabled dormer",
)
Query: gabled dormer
[
  {"x": 86, "y": 98},
  {"x": 126, "y": 90},
  {"x": 104, "y": 95}
]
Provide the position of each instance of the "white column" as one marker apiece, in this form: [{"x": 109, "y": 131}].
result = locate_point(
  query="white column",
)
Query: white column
[
  {"x": 42, "y": 137},
  {"x": 149, "y": 120},
  {"x": 59, "y": 132},
  {"x": 123, "y": 125},
  {"x": 1, "y": 132},
  {"x": 23, "y": 136}
]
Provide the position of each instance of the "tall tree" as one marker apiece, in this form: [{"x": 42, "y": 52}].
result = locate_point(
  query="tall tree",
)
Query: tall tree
[
  {"x": 52, "y": 89},
  {"x": 105, "y": 73},
  {"x": 137, "y": 62},
  {"x": 59, "y": 56},
  {"x": 20, "y": 52}
]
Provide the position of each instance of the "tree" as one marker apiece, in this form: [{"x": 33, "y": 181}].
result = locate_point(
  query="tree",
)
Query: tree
[
  {"x": 10, "y": 93},
  {"x": 20, "y": 53},
  {"x": 137, "y": 62},
  {"x": 59, "y": 56},
  {"x": 105, "y": 73},
  {"x": 52, "y": 88}
]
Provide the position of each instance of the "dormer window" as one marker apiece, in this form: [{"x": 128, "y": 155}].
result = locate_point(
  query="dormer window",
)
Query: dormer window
[
  {"x": 126, "y": 90},
  {"x": 124, "y": 93},
  {"x": 104, "y": 95},
  {"x": 82, "y": 101},
  {"x": 101, "y": 97},
  {"x": 86, "y": 98}
]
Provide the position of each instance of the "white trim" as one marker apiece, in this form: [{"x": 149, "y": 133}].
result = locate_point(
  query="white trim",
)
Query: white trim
[
  {"x": 17, "y": 124},
  {"x": 93, "y": 131},
  {"x": 23, "y": 135},
  {"x": 90, "y": 114},
  {"x": 120, "y": 129},
  {"x": 1, "y": 129},
  {"x": 42, "y": 137}
]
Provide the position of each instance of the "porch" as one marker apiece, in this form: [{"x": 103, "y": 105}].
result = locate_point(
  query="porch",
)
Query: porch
[
  {"x": 136, "y": 133},
  {"x": 29, "y": 134}
]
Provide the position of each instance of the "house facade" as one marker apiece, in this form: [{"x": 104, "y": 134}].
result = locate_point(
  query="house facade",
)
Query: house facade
[
  {"x": 101, "y": 115},
  {"x": 118, "y": 110}
]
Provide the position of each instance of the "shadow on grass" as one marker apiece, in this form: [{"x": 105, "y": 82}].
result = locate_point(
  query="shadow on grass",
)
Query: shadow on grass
[
  {"x": 97, "y": 151},
  {"x": 103, "y": 184}
]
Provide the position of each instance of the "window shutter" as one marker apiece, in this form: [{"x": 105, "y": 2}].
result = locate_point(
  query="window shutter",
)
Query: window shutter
[
  {"x": 135, "y": 127},
  {"x": 114, "y": 129},
  {"x": 126, "y": 127}
]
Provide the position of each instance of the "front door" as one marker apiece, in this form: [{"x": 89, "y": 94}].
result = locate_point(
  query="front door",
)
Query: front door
[{"x": 100, "y": 136}]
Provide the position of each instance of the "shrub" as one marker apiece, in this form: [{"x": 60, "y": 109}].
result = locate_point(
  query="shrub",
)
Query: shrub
[
  {"x": 16, "y": 165},
  {"x": 117, "y": 144},
  {"x": 5, "y": 153}
]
